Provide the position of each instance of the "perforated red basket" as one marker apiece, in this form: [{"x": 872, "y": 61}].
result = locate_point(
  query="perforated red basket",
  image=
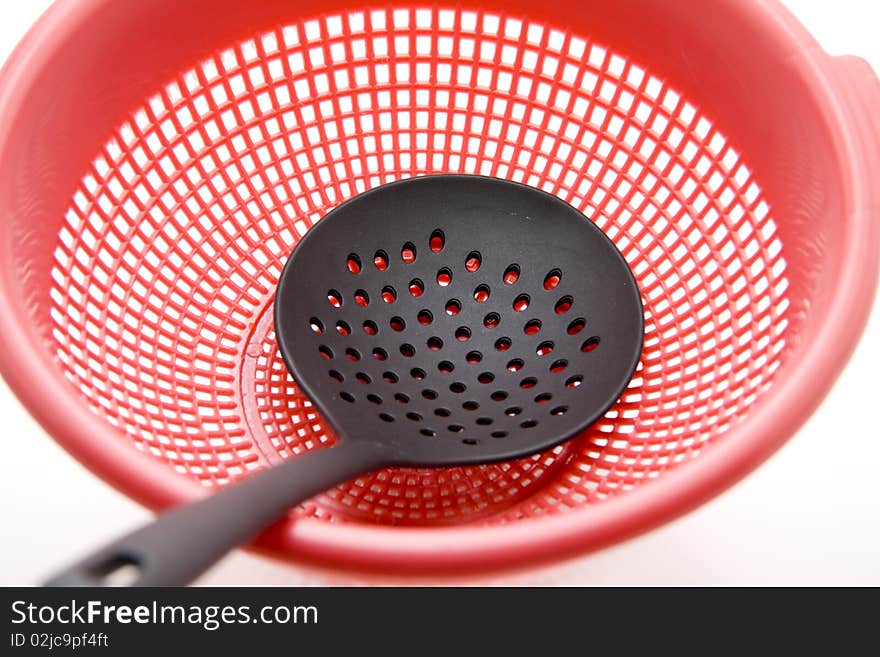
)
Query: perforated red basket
[{"x": 161, "y": 159}]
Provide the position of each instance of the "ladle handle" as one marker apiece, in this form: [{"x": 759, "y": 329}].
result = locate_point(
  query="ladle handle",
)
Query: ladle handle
[{"x": 183, "y": 543}]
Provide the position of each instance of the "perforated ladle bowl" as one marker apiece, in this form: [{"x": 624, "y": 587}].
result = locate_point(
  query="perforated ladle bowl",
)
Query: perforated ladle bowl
[{"x": 438, "y": 321}]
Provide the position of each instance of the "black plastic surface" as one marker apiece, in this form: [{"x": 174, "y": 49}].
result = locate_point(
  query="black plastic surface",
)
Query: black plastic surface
[{"x": 371, "y": 338}]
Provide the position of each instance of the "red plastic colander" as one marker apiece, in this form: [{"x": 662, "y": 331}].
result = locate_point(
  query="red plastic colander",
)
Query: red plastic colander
[{"x": 161, "y": 159}]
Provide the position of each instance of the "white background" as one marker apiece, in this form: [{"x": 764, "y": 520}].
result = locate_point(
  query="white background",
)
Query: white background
[{"x": 811, "y": 515}]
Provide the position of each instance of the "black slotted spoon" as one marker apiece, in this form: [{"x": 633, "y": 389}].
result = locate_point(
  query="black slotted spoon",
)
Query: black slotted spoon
[{"x": 436, "y": 321}]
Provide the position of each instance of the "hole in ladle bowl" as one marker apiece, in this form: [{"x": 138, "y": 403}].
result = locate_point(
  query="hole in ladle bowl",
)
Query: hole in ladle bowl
[
  {"x": 473, "y": 261},
  {"x": 521, "y": 303},
  {"x": 380, "y": 260},
  {"x": 408, "y": 253},
  {"x": 437, "y": 241},
  {"x": 552, "y": 279},
  {"x": 353, "y": 262},
  {"x": 361, "y": 298}
]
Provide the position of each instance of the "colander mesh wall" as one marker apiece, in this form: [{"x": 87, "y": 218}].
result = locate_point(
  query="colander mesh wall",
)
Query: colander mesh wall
[{"x": 174, "y": 240}]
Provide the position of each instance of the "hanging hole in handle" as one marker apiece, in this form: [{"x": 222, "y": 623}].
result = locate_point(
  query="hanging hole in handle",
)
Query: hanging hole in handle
[{"x": 123, "y": 570}]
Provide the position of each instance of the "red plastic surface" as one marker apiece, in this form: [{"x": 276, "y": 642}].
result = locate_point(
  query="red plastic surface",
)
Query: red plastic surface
[{"x": 160, "y": 161}]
